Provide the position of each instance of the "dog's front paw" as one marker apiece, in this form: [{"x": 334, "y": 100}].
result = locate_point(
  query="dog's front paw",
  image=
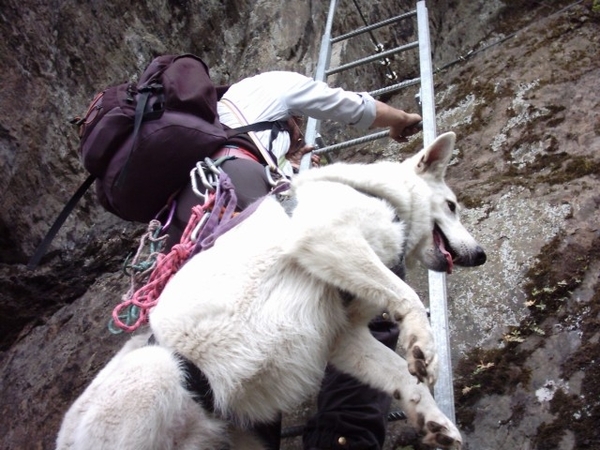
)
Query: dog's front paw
[
  {"x": 422, "y": 366},
  {"x": 439, "y": 435},
  {"x": 421, "y": 357},
  {"x": 423, "y": 413},
  {"x": 416, "y": 339}
]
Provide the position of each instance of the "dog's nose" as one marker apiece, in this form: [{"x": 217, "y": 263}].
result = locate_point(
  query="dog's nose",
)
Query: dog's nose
[{"x": 480, "y": 256}]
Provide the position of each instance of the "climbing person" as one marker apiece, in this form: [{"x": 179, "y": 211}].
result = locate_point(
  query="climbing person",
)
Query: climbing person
[{"x": 349, "y": 414}]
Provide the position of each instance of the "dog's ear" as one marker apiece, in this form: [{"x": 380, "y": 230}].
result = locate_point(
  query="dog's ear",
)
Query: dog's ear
[{"x": 435, "y": 158}]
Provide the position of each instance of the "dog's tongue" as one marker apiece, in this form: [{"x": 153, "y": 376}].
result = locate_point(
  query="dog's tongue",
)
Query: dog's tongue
[{"x": 440, "y": 244}]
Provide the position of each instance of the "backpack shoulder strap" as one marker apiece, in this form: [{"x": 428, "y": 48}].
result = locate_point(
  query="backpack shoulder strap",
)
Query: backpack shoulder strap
[
  {"x": 257, "y": 126},
  {"x": 275, "y": 127},
  {"x": 60, "y": 220}
]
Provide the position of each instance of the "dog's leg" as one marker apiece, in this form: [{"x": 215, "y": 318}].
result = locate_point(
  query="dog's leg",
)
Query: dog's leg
[
  {"x": 416, "y": 336},
  {"x": 140, "y": 402},
  {"x": 375, "y": 288},
  {"x": 343, "y": 238},
  {"x": 361, "y": 355}
]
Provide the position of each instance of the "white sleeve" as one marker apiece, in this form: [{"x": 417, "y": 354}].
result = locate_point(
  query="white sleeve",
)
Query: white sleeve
[
  {"x": 316, "y": 99},
  {"x": 277, "y": 95}
]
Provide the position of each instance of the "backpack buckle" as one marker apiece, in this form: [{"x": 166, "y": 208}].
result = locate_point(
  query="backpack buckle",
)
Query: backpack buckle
[{"x": 155, "y": 103}]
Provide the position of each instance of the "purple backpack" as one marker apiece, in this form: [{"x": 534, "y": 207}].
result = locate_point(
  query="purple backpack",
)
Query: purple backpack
[{"x": 140, "y": 141}]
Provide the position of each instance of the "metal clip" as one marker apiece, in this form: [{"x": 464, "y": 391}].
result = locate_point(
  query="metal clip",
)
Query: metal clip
[
  {"x": 272, "y": 181},
  {"x": 212, "y": 166},
  {"x": 197, "y": 228},
  {"x": 208, "y": 184},
  {"x": 194, "y": 181}
]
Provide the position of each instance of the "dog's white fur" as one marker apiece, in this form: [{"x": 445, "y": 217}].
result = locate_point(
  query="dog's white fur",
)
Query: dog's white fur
[{"x": 261, "y": 313}]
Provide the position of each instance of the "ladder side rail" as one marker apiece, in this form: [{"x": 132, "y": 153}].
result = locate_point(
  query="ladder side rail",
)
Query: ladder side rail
[
  {"x": 325, "y": 49},
  {"x": 372, "y": 58},
  {"x": 443, "y": 390},
  {"x": 372, "y": 27},
  {"x": 313, "y": 125}
]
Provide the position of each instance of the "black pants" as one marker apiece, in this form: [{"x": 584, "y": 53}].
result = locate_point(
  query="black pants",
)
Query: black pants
[{"x": 350, "y": 415}]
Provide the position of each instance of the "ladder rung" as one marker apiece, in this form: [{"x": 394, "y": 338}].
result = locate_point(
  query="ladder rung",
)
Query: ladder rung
[
  {"x": 372, "y": 58},
  {"x": 353, "y": 142},
  {"x": 374, "y": 26},
  {"x": 395, "y": 87}
]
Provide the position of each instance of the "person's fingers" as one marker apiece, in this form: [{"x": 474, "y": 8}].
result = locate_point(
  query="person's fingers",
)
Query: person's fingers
[
  {"x": 306, "y": 149},
  {"x": 413, "y": 119},
  {"x": 397, "y": 134},
  {"x": 412, "y": 129}
]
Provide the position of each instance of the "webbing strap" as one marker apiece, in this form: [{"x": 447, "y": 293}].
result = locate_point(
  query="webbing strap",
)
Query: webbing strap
[
  {"x": 222, "y": 212},
  {"x": 140, "y": 113},
  {"x": 60, "y": 220},
  {"x": 68, "y": 208},
  {"x": 222, "y": 217},
  {"x": 258, "y": 126}
]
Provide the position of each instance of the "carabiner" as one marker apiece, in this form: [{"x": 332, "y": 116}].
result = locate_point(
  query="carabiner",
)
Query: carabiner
[
  {"x": 203, "y": 176},
  {"x": 194, "y": 182},
  {"x": 270, "y": 178},
  {"x": 212, "y": 166},
  {"x": 198, "y": 227}
]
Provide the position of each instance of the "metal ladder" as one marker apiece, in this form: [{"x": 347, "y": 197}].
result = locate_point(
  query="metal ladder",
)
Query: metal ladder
[{"x": 443, "y": 390}]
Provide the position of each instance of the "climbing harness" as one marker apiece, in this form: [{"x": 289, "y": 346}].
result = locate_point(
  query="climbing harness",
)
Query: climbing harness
[{"x": 195, "y": 381}]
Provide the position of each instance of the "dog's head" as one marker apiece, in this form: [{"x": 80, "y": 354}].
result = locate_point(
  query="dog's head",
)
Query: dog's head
[
  {"x": 415, "y": 188},
  {"x": 440, "y": 241}
]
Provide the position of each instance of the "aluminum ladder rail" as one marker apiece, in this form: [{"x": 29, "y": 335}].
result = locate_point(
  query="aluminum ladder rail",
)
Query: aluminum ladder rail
[{"x": 443, "y": 390}]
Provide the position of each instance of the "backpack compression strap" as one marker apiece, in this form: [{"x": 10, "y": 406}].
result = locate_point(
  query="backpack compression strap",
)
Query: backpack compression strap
[{"x": 60, "y": 220}]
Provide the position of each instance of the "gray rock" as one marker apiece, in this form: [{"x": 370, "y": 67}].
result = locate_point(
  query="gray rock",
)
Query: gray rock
[{"x": 524, "y": 327}]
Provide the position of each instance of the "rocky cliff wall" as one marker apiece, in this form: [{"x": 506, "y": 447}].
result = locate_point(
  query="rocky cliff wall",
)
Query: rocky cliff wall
[{"x": 526, "y": 111}]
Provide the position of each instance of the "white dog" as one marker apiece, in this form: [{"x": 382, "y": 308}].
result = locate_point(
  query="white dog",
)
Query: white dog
[{"x": 261, "y": 313}]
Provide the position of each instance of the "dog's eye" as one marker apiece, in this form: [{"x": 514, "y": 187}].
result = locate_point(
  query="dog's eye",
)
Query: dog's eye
[{"x": 451, "y": 205}]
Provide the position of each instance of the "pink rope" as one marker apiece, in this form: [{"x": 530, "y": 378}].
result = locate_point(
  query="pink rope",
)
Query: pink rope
[{"x": 146, "y": 297}]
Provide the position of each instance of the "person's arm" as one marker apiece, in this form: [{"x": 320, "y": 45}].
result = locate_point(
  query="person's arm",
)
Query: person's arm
[
  {"x": 400, "y": 123},
  {"x": 315, "y": 99}
]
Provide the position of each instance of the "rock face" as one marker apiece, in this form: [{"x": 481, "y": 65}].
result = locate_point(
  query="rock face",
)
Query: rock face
[{"x": 517, "y": 82}]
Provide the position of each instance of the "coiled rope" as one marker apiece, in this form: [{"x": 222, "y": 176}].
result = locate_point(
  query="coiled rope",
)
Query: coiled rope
[
  {"x": 133, "y": 311},
  {"x": 207, "y": 222}
]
